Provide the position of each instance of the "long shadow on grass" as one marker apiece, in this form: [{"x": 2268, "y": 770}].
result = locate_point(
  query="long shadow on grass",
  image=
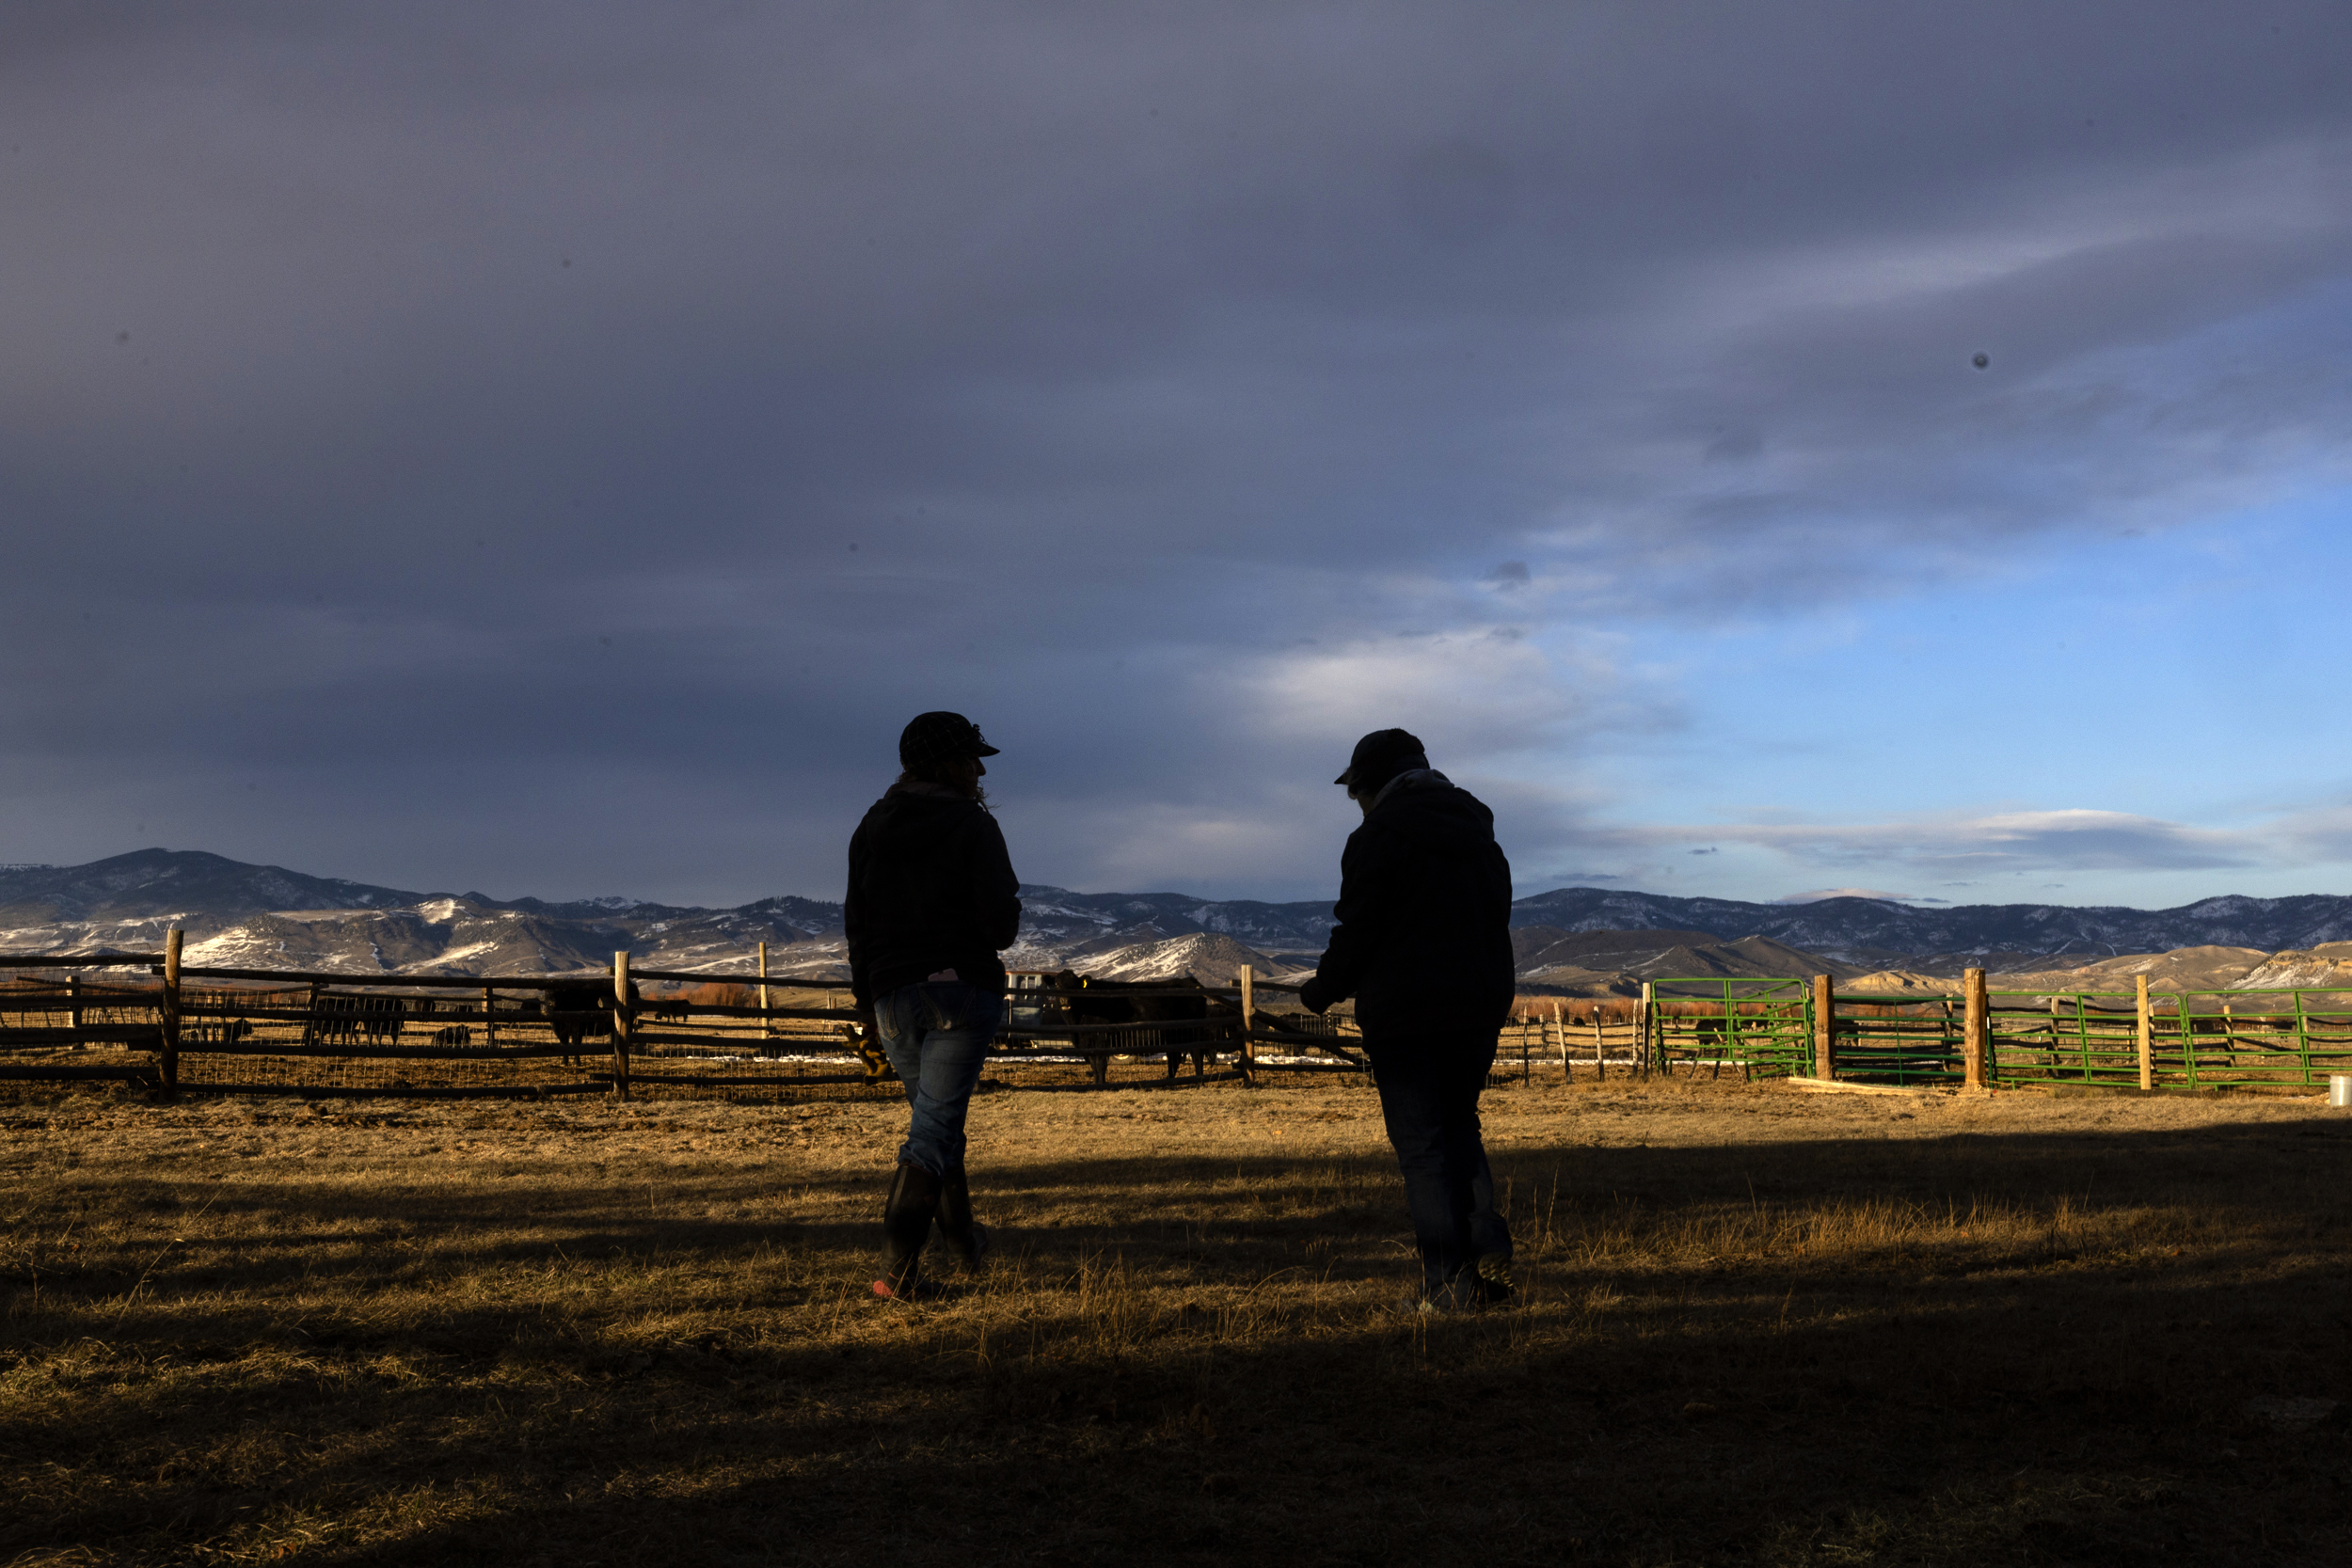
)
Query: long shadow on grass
[
  {"x": 1701, "y": 1434},
  {"x": 2063, "y": 1390}
]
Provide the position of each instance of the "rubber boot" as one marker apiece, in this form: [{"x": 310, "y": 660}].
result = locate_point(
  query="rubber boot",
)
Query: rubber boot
[
  {"x": 965, "y": 1236},
  {"x": 906, "y": 1227}
]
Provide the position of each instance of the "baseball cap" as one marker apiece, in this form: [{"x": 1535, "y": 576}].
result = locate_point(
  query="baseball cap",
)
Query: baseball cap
[
  {"x": 1383, "y": 754},
  {"x": 930, "y": 737}
]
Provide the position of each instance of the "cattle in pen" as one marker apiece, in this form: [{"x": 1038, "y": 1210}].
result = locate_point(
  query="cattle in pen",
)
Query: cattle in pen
[
  {"x": 1182, "y": 1025},
  {"x": 348, "y": 1018},
  {"x": 578, "y": 1013}
]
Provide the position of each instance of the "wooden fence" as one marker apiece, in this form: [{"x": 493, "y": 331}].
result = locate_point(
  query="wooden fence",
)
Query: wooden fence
[
  {"x": 73, "y": 1017},
  {"x": 251, "y": 1031}
]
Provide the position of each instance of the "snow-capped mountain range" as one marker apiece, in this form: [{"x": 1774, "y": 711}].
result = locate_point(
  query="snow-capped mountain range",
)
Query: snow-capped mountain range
[{"x": 239, "y": 916}]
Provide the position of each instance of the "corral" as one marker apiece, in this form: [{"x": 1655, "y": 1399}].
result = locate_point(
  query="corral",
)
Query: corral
[
  {"x": 258, "y": 1031},
  {"x": 66, "y": 1018},
  {"x": 1759, "y": 1326}
]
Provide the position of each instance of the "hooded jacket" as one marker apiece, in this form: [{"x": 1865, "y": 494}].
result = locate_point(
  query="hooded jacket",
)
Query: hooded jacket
[
  {"x": 930, "y": 888},
  {"x": 1424, "y": 934}
]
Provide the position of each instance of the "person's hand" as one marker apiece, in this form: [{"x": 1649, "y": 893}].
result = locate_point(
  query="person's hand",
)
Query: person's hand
[
  {"x": 868, "y": 1024},
  {"x": 1315, "y": 996}
]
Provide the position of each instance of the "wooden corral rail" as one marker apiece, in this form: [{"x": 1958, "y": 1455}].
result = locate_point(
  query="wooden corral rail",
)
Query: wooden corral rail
[
  {"x": 323, "y": 1033},
  {"x": 88, "y": 1013},
  {"x": 309, "y": 1032},
  {"x": 301, "y": 1032}
]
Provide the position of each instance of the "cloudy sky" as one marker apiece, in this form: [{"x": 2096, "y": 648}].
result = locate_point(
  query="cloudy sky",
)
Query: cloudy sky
[{"x": 1762, "y": 449}]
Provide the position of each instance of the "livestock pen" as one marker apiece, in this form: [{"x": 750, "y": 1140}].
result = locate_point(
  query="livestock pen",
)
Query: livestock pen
[
  {"x": 262, "y": 1031},
  {"x": 1978, "y": 1036},
  {"x": 146, "y": 1019}
]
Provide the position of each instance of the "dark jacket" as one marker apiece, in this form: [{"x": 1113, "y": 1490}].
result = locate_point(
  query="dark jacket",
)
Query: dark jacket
[
  {"x": 1423, "y": 939},
  {"x": 930, "y": 888}
]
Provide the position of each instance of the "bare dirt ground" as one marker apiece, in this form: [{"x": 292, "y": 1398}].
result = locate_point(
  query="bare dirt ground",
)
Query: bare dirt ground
[{"x": 1758, "y": 1327}]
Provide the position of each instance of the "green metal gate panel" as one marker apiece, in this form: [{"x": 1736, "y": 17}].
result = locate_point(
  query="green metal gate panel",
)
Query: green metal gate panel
[
  {"x": 1764, "y": 1027},
  {"x": 1900, "y": 1040},
  {"x": 2199, "y": 1039}
]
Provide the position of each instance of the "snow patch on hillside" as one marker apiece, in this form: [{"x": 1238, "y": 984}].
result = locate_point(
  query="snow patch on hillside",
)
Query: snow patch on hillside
[{"x": 1210, "y": 958}]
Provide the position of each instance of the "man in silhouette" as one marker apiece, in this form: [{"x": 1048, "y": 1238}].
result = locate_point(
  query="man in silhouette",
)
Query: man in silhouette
[{"x": 1424, "y": 944}]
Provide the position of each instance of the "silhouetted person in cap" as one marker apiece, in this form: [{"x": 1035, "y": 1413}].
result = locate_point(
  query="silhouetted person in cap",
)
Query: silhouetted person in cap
[
  {"x": 1424, "y": 944},
  {"x": 932, "y": 900}
]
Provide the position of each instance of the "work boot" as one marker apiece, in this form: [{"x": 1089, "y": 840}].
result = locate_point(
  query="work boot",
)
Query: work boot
[
  {"x": 965, "y": 1236},
  {"x": 906, "y": 1227},
  {"x": 1493, "y": 1274}
]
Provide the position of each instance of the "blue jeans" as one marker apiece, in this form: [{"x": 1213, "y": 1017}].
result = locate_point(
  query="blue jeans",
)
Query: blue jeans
[
  {"x": 936, "y": 1036},
  {"x": 1429, "y": 1086}
]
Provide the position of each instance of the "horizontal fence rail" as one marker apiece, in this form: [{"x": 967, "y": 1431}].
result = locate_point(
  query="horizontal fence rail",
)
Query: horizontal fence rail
[
  {"x": 276, "y": 1031},
  {"x": 2188, "y": 1039},
  {"x": 241, "y": 1029},
  {"x": 1761, "y": 1026}
]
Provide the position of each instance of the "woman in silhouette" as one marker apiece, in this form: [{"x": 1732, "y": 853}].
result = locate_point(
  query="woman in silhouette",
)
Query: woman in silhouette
[{"x": 932, "y": 900}]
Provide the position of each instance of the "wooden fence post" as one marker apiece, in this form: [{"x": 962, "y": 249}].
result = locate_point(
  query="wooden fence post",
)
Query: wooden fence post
[
  {"x": 1976, "y": 1026},
  {"x": 1641, "y": 1051},
  {"x": 620, "y": 1024},
  {"x": 767, "y": 1024},
  {"x": 1249, "y": 1020},
  {"x": 2147, "y": 1040},
  {"x": 73, "y": 1007},
  {"x": 170, "y": 1012},
  {"x": 489, "y": 1029},
  {"x": 1824, "y": 1029}
]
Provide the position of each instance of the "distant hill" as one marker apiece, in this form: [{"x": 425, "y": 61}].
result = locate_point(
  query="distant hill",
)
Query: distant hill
[
  {"x": 1212, "y": 959},
  {"x": 1616, "y": 962},
  {"x": 268, "y": 916},
  {"x": 1873, "y": 932},
  {"x": 150, "y": 883},
  {"x": 1058, "y": 918},
  {"x": 2182, "y": 969},
  {"x": 1650, "y": 954}
]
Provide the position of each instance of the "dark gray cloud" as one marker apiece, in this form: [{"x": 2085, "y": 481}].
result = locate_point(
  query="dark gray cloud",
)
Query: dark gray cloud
[{"x": 555, "y": 447}]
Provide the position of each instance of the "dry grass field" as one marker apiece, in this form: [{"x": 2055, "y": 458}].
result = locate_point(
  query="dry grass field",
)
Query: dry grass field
[{"x": 1758, "y": 1328}]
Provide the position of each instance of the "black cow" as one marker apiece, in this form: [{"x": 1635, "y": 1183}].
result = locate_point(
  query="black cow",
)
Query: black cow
[
  {"x": 1086, "y": 1000},
  {"x": 580, "y": 1012},
  {"x": 380, "y": 1017},
  {"x": 343, "y": 1018}
]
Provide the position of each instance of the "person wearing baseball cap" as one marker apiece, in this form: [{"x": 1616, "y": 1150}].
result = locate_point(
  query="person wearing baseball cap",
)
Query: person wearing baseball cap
[
  {"x": 932, "y": 900},
  {"x": 1422, "y": 943}
]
